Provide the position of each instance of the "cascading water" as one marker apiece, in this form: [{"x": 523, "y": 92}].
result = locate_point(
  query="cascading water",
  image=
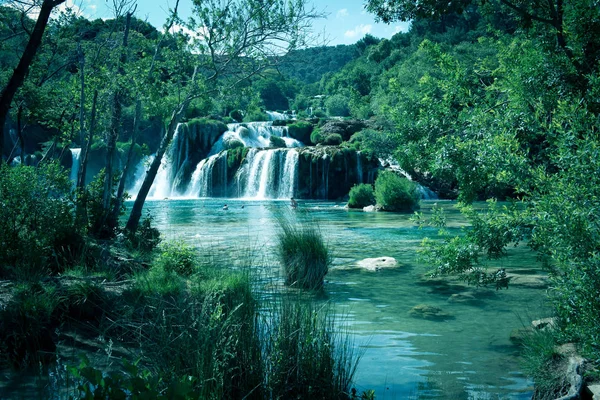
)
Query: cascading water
[
  {"x": 75, "y": 153},
  {"x": 210, "y": 177},
  {"x": 244, "y": 162}
]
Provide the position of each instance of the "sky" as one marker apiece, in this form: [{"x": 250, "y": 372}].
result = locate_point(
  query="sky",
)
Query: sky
[{"x": 346, "y": 20}]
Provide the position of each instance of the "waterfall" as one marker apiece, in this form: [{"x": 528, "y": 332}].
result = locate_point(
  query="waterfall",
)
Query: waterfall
[
  {"x": 210, "y": 177},
  {"x": 288, "y": 182},
  {"x": 253, "y": 134},
  {"x": 75, "y": 153},
  {"x": 277, "y": 116},
  {"x": 270, "y": 174},
  {"x": 161, "y": 187},
  {"x": 359, "y": 168},
  {"x": 139, "y": 175}
]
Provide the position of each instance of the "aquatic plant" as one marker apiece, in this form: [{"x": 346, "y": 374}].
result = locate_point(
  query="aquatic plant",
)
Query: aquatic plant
[{"x": 303, "y": 253}]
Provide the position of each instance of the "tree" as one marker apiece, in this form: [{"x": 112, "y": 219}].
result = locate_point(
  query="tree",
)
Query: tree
[
  {"x": 234, "y": 41},
  {"x": 20, "y": 71}
]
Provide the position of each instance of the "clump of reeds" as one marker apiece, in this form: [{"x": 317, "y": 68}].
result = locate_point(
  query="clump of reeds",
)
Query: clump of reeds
[{"x": 303, "y": 253}]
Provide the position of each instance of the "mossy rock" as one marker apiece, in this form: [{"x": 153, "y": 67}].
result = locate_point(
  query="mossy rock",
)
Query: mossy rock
[{"x": 425, "y": 311}]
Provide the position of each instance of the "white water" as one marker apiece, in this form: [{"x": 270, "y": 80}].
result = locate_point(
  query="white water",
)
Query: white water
[
  {"x": 253, "y": 134},
  {"x": 277, "y": 116},
  {"x": 75, "y": 153},
  {"x": 288, "y": 184}
]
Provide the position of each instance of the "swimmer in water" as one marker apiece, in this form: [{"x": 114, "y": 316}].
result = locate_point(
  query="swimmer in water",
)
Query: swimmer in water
[{"x": 225, "y": 207}]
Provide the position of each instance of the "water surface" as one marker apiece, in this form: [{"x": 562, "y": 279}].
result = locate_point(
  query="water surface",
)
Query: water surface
[{"x": 468, "y": 356}]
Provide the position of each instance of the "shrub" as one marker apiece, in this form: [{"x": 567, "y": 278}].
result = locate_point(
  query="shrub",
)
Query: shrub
[
  {"x": 361, "y": 195},
  {"x": 37, "y": 224},
  {"x": 334, "y": 139},
  {"x": 319, "y": 114},
  {"x": 303, "y": 254},
  {"x": 232, "y": 144},
  {"x": 256, "y": 115},
  {"x": 145, "y": 238},
  {"x": 177, "y": 257},
  {"x": 316, "y": 137},
  {"x": 301, "y": 131},
  {"x": 276, "y": 141},
  {"x": 395, "y": 193},
  {"x": 337, "y": 105}
]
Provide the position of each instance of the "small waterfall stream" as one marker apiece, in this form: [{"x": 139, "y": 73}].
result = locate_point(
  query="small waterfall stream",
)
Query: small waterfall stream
[{"x": 75, "y": 153}]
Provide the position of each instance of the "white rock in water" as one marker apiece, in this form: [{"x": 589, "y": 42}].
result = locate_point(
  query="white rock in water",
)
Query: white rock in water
[
  {"x": 369, "y": 209},
  {"x": 375, "y": 264}
]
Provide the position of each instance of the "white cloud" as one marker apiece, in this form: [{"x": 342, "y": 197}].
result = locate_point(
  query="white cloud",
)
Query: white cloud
[
  {"x": 359, "y": 30},
  {"x": 343, "y": 13},
  {"x": 403, "y": 27}
]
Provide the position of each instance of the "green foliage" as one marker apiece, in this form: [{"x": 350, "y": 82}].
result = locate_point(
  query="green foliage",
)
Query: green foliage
[
  {"x": 303, "y": 253},
  {"x": 38, "y": 232},
  {"x": 276, "y": 141},
  {"x": 306, "y": 358},
  {"x": 255, "y": 115},
  {"x": 131, "y": 382},
  {"x": 27, "y": 326},
  {"x": 301, "y": 130},
  {"x": 361, "y": 195},
  {"x": 316, "y": 136},
  {"x": 337, "y": 105},
  {"x": 395, "y": 193},
  {"x": 177, "y": 257},
  {"x": 145, "y": 238},
  {"x": 333, "y": 139},
  {"x": 541, "y": 361}
]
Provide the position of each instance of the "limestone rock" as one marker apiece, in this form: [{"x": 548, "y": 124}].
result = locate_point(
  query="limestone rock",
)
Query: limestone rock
[
  {"x": 429, "y": 312},
  {"x": 465, "y": 297},
  {"x": 544, "y": 323},
  {"x": 529, "y": 281},
  {"x": 376, "y": 264},
  {"x": 369, "y": 209},
  {"x": 517, "y": 336}
]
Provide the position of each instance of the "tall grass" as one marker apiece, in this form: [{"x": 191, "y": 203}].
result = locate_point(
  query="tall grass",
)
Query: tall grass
[
  {"x": 303, "y": 253},
  {"x": 305, "y": 355}
]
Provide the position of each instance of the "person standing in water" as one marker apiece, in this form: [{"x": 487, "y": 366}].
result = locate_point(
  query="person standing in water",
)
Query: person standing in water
[{"x": 294, "y": 203}]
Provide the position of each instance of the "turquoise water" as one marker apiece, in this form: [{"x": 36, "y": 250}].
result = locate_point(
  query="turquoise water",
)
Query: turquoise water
[{"x": 468, "y": 356}]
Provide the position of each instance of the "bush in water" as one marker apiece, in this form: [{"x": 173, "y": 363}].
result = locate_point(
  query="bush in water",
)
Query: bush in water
[
  {"x": 395, "y": 193},
  {"x": 361, "y": 195}
]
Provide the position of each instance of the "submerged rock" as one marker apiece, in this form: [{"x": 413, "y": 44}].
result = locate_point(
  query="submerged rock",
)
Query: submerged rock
[
  {"x": 429, "y": 312},
  {"x": 465, "y": 297},
  {"x": 529, "y": 281},
  {"x": 376, "y": 264}
]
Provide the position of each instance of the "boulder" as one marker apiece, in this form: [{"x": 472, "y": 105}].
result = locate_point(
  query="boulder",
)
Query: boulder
[
  {"x": 425, "y": 311},
  {"x": 376, "y": 264},
  {"x": 370, "y": 208},
  {"x": 544, "y": 323},
  {"x": 345, "y": 128},
  {"x": 517, "y": 336}
]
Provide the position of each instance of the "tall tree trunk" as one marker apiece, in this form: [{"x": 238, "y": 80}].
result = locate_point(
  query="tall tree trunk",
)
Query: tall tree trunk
[
  {"x": 88, "y": 145},
  {"x": 81, "y": 210},
  {"x": 113, "y": 219},
  {"x": 18, "y": 76},
  {"x": 115, "y": 128},
  {"x": 81, "y": 102},
  {"x": 138, "y": 205}
]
